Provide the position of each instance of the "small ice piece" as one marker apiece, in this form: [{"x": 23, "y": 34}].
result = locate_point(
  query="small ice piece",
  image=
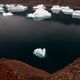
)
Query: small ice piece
[
  {"x": 39, "y": 6},
  {"x": 16, "y": 8},
  {"x": 40, "y": 14},
  {"x": 76, "y": 14},
  {"x": 56, "y": 9},
  {"x": 41, "y": 53},
  {"x": 7, "y": 14}
]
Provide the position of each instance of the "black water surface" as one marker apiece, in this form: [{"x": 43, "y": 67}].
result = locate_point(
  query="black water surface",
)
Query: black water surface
[{"x": 60, "y": 36}]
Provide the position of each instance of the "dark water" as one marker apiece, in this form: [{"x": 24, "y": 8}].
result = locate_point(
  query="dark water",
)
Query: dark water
[{"x": 60, "y": 36}]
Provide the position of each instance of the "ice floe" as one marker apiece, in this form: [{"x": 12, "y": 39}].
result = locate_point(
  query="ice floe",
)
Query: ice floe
[
  {"x": 56, "y": 9},
  {"x": 7, "y": 14},
  {"x": 16, "y": 8},
  {"x": 41, "y": 53},
  {"x": 39, "y": 6},
  {"x": 66, "y": 10},
  {"x": 40, "y": 14},
  {"x": 1, "y": 9},
  {"x": 76, "y": 14}
]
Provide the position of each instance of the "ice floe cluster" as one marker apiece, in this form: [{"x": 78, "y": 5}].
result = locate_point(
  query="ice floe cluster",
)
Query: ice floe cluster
[
  {"x": 11, "y": 8},
  {"x": 40, "y": 13},
  {"x": 66, "y": 10},
  {"x": 41, "y": 53}
]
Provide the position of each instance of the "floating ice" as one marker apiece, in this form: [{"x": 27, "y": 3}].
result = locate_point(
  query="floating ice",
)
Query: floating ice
[
  {"x": 41, "y": 53},
  {"x": 16, "y": 8},
  {"x": 65, "y": 7},
  {"x": 76, "y": 14},
  {"x": 1, "y": 9},
  {"x": 7, "y": 14},
  {"x": 1, "y": 5},
  {"x": 39, "y": 6},
  {"x": 66, "y": 10},
  {"x": 40, "y": 14},
  {"x": 56, "y": 9}
]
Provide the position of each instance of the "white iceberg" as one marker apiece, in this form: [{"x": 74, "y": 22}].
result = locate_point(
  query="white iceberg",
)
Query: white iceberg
[
  {"x": 1, "y": 5},
  {"x": 7, "y": 14},
  {"x": 16, "y": 8},
  {"x": 65, "y": 7},
  {"x": 39, "y": 6},
  {"x": 66, "y": 10},
  {"x": 1, "y": 9},
  {"x": 41, "y": 53},
  {"x": 56, "y": 9},
  {"x": 76, "y": 14},
  {"x": 40, "y": 14}
]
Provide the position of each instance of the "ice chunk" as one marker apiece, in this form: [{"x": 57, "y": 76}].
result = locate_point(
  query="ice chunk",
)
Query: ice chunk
[
  {"x": 65, "y": 7},
  {"x": 40, "y": 14},
  {"x": 7, "y": 14},
  {"x": 16, "y": 8},
  {"x": 67, "y": 11},
  {"x": 56, "y": 9},
  {"x": 39, "y": 6},
  {"x": 1, "y": 9},
  {"x": 1, "y": 5},
  {"x": 41, "y": 53},
  {"x": 76, "y": 14}
]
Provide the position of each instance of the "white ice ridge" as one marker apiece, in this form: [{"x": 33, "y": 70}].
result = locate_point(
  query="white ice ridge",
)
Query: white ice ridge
[
  {"x": 7, "y": 14},
  {"x": 16, "y": 7},
  {"x": 76, "y": 14},
  {"x": 56, "y": 9},
  {"x": 66, "y": 10},
  {"x": 41, "y": 53},
  {"x": 40, "y": 14},
  {"x": 39, "y": 6}
]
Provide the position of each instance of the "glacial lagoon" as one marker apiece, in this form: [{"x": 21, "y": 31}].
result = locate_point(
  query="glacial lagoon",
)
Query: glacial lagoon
[{"x": 60, "y": 35}]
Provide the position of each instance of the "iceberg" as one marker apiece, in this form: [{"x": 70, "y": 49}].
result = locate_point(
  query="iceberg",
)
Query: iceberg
[
  {"x": 39, "y": 6},
  {"x": 76, "y": 14},
  {"x": 1, "y": 9},
  {"x": 66, "y": 10},
  {"x": 40, "y": 14},
  {"x": 56, "y": 9},
  {"x": 16, "y": 8},
  {"x": 65, "y": 7},
  {"x": 7, "y": 14},
  {"x": 41, "y": 53}
]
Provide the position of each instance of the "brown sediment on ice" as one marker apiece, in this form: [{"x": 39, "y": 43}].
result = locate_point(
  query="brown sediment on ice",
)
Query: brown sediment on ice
[
  {"x": 17, "y": 70},
  {"x": 71, "y": 72}
]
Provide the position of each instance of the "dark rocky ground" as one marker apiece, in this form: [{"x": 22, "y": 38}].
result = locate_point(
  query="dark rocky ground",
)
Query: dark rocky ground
[{"x": 71, "y": 3}]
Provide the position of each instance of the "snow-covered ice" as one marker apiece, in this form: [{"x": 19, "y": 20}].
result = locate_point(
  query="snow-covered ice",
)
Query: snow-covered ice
[
  {"x": 56, "y": 9},
  {"x": 76, "y": 14},
  {"x": 39, "y": 6},
  {"x": 40, "y": 14},
  {"x": 7, "y": 14},
  {"x": 41, "y": 53},
  {"x": 16, "y": 8}
]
